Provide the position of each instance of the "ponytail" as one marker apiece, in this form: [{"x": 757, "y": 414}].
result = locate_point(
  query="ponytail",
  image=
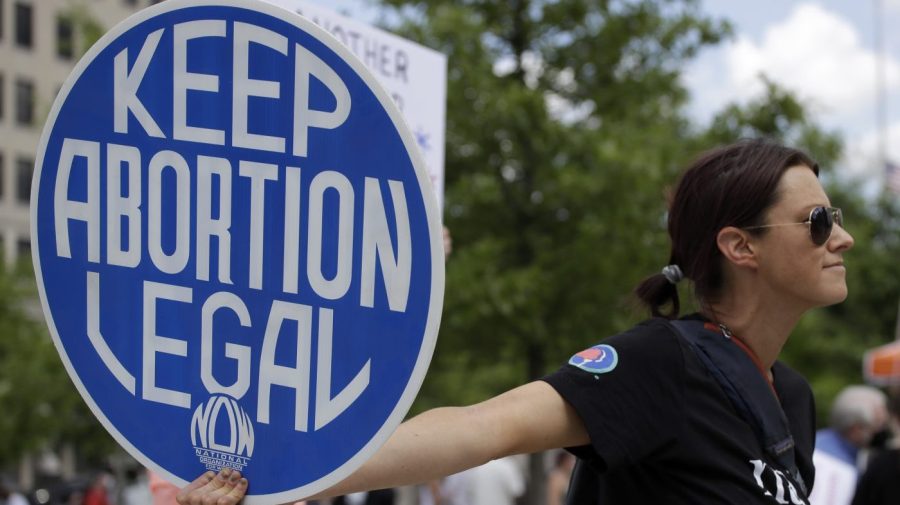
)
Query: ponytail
[{"x": 659, "y": 290}]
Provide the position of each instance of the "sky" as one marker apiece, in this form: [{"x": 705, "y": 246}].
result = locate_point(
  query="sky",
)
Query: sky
[{"x": 824, "y": 51}]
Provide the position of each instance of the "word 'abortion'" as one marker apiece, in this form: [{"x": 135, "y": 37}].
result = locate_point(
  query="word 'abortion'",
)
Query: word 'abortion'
[{"x": 128, "y": 210}]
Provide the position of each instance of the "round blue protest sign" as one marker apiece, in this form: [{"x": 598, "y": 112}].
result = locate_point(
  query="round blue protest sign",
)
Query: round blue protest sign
[{"x": 237, "y": 246}]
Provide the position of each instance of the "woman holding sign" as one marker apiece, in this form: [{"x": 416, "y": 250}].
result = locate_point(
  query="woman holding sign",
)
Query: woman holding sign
[{"x": 689, "y": 410}]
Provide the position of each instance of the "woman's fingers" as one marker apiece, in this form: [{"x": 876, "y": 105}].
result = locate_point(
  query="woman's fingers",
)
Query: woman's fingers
[
  {"x": 183, "y": 496},
  {"x": 225, "y": 488}
]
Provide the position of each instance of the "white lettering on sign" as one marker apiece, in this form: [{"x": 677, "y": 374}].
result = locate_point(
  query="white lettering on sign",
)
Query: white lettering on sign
[
  {"x": 174, "y": 262},
  {"x": 328, "y": 408},
  {"x": 96, "y": 338},
  {"x": 337, "y": 286},
  {"x": 297, "y": 377},
  {"x": 306, "y": 65},
  {"x": 125, "y": 88},
  {"x": 153, "y": 343},
  {"x": 65, "y": 210},
  {"x": 239, "y": 353},
  {"x": 377, "y": 243},
  {"x": 119, "y": 207},
  {"x": 182, "y": 81},
  {"x": 393, "y": 254},
  {"x": 309, "y": 65},
  {"x": 209, "y": 227},
  {"x": 245, "y": 87},
  {"x": 168, "y": 212}
]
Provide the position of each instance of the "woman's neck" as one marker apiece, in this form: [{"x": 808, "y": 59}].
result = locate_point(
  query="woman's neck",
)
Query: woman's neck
[{"x": 764, "y": 329}]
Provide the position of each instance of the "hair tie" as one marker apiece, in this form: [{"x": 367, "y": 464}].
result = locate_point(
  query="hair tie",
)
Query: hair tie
[{"x": 673, "y": 273}]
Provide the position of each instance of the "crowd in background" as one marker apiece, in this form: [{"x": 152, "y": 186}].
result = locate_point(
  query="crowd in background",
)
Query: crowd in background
[
  {"x": 857, "y": 460},
  {"x": 857, "y": 456},
  {"x": 499, "y": 482}
]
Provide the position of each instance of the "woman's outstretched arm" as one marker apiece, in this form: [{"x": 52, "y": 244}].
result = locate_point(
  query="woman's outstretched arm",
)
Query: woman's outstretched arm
[{"x": 440, "y": 442}]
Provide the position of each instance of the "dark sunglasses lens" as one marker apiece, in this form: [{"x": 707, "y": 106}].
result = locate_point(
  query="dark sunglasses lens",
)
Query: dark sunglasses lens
[{"x": 820, "y": 224}]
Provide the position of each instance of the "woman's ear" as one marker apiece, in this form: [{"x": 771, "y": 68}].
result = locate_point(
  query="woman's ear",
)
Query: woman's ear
[{"x": 734, "y": 244}]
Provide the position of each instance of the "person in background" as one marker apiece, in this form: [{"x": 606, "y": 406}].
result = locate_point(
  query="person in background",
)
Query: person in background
[
  {"x": 137, "y": 488},
  {"x": 8, "y": 495},
  {"x": 880, "y": 483},
  {"x": 377, "y": 497},
  {"x": 497, "y": 482},
  {"x": 163, "y": 491},
  {"x": 97, "y": 493},
  {"x": 857, "y": 415},
  {"x": 558, "y": 479},
  {"x": 449, "y": 490}
]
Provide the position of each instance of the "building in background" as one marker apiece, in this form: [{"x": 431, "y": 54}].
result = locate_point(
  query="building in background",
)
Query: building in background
[{"x": 40, "y": 42}]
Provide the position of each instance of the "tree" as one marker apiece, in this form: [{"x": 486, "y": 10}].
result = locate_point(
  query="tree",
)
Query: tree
[
  {"x": 40, "y": 406},
  {"x": 565, "y": 124}
]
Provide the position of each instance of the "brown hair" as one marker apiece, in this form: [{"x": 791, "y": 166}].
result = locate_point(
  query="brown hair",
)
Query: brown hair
[{"x": 733, "y": 185}]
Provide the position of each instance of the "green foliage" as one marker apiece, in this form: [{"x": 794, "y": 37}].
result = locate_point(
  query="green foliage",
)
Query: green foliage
[
  {"x": 566, "y": 125},
  {"x": 88, "y": 29},
  {"x": 39, "y": 403}
]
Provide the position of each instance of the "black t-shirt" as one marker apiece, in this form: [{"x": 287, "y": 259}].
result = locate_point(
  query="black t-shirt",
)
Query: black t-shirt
[
  {"x": 662, "y": 430},
  {"x": 880, "y": 485}
]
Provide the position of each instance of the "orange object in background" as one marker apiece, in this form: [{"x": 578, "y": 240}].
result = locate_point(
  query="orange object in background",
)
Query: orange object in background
[{"x": 881, "y": 365}]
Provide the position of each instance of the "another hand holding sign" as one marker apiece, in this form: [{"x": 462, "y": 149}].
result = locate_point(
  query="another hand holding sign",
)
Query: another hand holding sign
[{"x": 224, "y": 488}]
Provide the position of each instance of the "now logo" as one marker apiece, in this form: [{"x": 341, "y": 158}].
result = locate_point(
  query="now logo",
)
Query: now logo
[{"x": 208, "y": 419}]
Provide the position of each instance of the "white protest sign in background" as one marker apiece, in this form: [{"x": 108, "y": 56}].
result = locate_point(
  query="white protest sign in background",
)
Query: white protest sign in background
[
  {"x": 237, "y": 246},
  {"x": 414, "y": 75}
]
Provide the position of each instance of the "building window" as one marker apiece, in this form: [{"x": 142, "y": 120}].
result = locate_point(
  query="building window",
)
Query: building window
[
  {"x": 65, "y": 37},
  {"x": 24, "y": 168},
  {"x": 23, "y": 25},
  {"x": 24, "y": 102}
]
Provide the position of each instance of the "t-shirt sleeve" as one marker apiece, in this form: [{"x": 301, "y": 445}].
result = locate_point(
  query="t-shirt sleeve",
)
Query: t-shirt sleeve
[{"x": 628, "y": 391}]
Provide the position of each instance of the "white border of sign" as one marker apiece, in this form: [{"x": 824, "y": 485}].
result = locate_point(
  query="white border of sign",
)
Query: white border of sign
[{"x": 434, "y": 226}]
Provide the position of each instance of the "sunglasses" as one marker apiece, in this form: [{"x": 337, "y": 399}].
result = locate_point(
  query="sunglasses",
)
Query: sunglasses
[{"x": 821, "y": 221}]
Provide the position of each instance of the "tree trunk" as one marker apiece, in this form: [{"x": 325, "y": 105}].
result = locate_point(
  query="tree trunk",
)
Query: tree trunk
[{"x": 536, "y": 486}]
